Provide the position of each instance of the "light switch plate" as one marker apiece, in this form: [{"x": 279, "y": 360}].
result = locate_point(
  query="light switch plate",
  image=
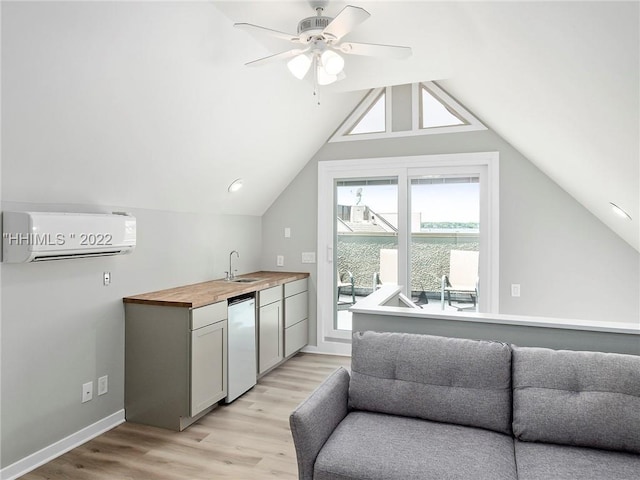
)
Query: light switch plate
[
  {"x": 515, "y": 289},
  {"x": 103, "y": 385},
  {"x": 308, "y": 257},
  {"x": 280, "y": 261},
  {"x": 287, "y": 232}
]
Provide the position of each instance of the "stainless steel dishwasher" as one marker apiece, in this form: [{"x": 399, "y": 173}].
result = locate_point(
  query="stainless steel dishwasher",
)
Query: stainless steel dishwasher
[{"x": 241, "y": 364}]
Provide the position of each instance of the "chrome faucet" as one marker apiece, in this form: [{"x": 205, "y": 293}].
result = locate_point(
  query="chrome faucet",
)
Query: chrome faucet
[{"x": 230, "y": 274}]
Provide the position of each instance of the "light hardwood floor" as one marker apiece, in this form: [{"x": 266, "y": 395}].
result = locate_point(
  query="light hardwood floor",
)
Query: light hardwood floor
[{"x": 246, "y": 440}]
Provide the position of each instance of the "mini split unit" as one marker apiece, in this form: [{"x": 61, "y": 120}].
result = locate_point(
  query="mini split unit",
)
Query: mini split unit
[{"x": 41, "y": 236}]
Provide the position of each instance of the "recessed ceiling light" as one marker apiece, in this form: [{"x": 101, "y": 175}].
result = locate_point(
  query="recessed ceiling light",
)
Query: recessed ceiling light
[
  {"x": 620, "y": 212},
  {"x": 235, "y": 185}
]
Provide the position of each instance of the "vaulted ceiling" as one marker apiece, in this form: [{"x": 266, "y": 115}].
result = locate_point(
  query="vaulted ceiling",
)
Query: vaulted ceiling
[{"x": 150, "y": 104}]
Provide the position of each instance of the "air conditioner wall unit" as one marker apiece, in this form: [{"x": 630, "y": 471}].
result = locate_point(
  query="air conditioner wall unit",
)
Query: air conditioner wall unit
[{"x": 42, "y": 236}]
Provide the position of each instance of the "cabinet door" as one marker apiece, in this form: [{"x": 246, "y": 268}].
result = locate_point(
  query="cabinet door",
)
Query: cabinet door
[
  {"x": 208, "y": 366},
  {"x": 270, "y": 336}
]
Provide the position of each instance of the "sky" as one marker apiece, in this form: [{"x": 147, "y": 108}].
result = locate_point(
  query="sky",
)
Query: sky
[{"x": 453, "y": 202}]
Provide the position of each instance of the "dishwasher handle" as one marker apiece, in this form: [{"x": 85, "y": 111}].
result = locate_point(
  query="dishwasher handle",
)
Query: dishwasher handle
[{"x": 242, "y": 298}]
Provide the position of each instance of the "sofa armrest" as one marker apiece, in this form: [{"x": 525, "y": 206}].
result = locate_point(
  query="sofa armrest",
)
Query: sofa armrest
[{"x": 313, "y": 421}]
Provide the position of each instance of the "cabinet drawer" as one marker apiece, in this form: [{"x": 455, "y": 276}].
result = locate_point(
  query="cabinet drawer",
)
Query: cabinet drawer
[
  {"x": 296, "y": 337},
  {"x": 269, "y": 295},
  {"x": 296, "y": 308},
  {"x": 203, "y": 316},
  {"x": 298, "y": 286}
]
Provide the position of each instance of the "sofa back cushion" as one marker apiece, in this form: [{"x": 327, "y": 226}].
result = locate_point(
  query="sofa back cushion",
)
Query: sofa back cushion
[
  {"x": 587, "y": 399},
  {"x": 464, "y": 382}
]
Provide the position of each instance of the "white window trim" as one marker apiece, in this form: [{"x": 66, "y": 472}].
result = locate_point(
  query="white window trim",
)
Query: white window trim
[
  {"x": 342, "y": 133},
  {"x": 367, "y": 102},
  {"x": 433, "y": 88},
  {"x": 331, "y": 340}
]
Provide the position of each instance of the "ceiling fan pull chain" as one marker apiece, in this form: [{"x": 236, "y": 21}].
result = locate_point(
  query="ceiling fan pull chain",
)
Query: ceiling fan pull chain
[{"x": 316, "y": 90}]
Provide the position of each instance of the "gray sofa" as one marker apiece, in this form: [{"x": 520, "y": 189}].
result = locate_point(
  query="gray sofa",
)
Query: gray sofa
[{"x": 426, "y": 407}]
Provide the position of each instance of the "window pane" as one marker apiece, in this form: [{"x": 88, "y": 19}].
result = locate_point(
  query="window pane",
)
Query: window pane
[
  {"x": 373, "y": 121},
  {"x": 366, "y": 240},
  {"x": 434, "y": 113},
  {"x": 445, "y": 217}
]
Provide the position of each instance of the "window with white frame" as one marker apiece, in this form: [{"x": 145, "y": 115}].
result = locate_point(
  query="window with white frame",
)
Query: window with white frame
[
  {"x": 354, "y": 204},
  {"x": 432, "y": 111}
]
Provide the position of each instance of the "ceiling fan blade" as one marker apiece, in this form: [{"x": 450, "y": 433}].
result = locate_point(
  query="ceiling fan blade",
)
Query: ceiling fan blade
[
  {"x": 374, "y": 50},
  {"x": 276, "y": 57},
  {"x": 347, "y": 20},
  {"x": 249, "y": 27}
]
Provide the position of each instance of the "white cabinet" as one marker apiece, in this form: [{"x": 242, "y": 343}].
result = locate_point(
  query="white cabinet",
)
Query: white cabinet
[
  {"x": 175, "y": 363},
  {"x": 296, "y": 316},
  {"x": 283, "y": 322},
  {"x": 176, "y": 357},
  {"x": 270, "y": 328},
  {"x": 208, "y": 359}
]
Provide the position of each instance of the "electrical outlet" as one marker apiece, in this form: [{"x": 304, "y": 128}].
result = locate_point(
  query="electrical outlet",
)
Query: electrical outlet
[
  {"x": 515, "y": 289},
  {"x": 87, "y": 391},
  {"x": 103, "y": 385},
  {"x": 106, "y": 278},
  {"x": 287, "y": 232},
  {"x": 280, "y": 261}
]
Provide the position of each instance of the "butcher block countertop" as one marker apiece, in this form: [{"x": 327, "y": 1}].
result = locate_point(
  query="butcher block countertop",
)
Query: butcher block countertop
[{"x": 206, "y": 293}]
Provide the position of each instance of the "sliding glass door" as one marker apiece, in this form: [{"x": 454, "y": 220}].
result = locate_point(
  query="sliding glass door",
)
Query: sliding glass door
[{"x": 428, "y": 224}]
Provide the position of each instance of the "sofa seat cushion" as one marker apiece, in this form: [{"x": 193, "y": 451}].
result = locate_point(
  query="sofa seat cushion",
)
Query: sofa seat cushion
[
  {"x": 547, "y": 461},
  {"x": 451, "y": 380},
  {"x": 584, "y": 399},
  {"x": 374, "y": 446}
]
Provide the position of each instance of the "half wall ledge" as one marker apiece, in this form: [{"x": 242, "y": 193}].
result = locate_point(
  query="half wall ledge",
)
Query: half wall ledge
[{"x": 387, "y": 310}]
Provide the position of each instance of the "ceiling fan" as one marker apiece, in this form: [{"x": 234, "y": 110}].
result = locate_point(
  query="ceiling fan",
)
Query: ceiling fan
[{"x": 319, "y": 44}]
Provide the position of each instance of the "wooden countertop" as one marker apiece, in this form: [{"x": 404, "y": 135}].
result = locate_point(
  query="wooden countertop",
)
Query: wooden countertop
[{"x": 206, "y": 293}]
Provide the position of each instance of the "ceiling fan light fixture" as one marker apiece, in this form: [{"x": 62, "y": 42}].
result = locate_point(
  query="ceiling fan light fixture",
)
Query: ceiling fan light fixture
[
  {"x": 332, "y": 62},
  {"x": 319, "y": 46},
  {"x": 323, "y": 77},
  {"x": 299, "y": 65}
]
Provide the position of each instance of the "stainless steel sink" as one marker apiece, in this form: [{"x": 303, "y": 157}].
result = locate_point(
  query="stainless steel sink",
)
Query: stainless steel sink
[{"x": 245, "y": 280}]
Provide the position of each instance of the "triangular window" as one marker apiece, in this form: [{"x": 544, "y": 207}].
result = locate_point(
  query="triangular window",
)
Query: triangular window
[
  {"x": 373, "y": 120},
  {"x": 435, "y": 113},
  {"x": 406, "y": 110}
]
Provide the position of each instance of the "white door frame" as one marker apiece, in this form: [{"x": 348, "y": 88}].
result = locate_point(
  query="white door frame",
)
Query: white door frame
[{"x": 331, "y": 340}]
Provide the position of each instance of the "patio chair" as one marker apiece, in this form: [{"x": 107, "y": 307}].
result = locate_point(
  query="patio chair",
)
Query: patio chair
[
  {"x": 345, "y": 280},
  {"x": 388, "y": 274},
  {"x": 463, "y": 276}
]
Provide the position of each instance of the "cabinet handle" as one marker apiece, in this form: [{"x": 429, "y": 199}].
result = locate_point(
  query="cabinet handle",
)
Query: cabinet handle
[{"x": 329, "y": 254}]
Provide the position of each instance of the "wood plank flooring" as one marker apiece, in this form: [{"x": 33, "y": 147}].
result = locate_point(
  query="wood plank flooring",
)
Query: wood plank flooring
[{"x": 246, "y": 440}]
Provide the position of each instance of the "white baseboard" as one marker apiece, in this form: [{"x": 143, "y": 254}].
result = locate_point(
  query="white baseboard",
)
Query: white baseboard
[
  {"x": 340, "y": 349},
  {"x": 54, "y": 450}
]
